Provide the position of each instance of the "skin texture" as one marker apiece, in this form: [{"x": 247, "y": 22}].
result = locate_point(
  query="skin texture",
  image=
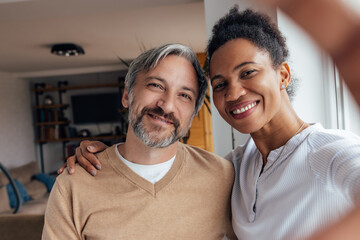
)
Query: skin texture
[
  {"x": 241, "y": 75},
  {"x": 172, "y": 87}
]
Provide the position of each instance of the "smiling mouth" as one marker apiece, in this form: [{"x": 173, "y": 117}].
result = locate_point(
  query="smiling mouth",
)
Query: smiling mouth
[
  {"x": 245, "y": 108},
  {"x": 160, "y": 119}
]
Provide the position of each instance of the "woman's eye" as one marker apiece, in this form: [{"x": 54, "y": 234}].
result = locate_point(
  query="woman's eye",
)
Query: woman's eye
[
  {"x": 219, "y": 86},
  {"x": 247, "y": 73}
]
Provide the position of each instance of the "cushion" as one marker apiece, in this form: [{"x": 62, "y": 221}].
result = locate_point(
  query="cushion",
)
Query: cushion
[
  {"x": 46, "y": 179},
  {"x": 4, "y": 200},
  {"x": 36, "y": 189},
  {"x": 22, "y": 190}
]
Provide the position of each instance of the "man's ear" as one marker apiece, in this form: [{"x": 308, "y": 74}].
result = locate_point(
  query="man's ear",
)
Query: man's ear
[
  {"x": 285, "y": 74},
  {"x": 125, "y": 98}
]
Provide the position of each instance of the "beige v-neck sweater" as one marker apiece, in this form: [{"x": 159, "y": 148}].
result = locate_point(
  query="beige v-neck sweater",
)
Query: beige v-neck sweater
[{"x": 192, "y": 201}]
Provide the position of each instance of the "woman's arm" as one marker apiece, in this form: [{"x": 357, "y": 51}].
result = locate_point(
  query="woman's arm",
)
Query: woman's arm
[
  {"x": 335, "y": 27},
  {"x": 346, "y": 229},
  {"x": 85, "y": 156}
]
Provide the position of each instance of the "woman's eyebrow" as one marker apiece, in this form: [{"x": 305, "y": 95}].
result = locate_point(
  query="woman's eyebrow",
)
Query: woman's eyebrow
[{"x": 235, "y": 68}]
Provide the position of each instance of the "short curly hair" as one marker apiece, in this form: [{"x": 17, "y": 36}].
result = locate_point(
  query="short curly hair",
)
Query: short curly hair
[{"x": 254, "y": 27}]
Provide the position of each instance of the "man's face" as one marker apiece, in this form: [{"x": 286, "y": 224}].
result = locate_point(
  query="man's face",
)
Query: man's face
[{"x": 162, "y": 103}]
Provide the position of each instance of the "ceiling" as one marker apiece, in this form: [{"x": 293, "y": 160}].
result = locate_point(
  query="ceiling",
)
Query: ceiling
[{"x": 106, "y": 29}]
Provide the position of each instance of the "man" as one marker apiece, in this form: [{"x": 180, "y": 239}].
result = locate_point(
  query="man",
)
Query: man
[{"x": 152, "y": 186}]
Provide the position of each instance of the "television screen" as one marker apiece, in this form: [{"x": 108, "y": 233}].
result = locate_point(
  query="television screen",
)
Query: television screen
[{"x": 95, "y": 108}]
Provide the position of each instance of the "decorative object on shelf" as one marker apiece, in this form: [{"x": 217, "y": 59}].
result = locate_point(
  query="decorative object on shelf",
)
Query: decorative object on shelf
[
  {"x": 67, "y": 49},
  {"x": 84, "y": 133},
  {"x": 48, "y": 100}
]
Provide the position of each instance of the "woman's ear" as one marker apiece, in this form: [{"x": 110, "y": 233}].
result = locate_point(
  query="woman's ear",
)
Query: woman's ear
[
  {"x": 125, "y": 98},
  {"x": 285, "y": 75}
]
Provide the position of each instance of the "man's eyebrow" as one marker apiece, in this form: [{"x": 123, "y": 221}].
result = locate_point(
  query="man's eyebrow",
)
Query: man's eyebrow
[
  {"x": 235, "y": 68},
  {"x": 154, "y": 77},
  {"x": 163, "y": 80},
  {"x": 190, "y": 90}
]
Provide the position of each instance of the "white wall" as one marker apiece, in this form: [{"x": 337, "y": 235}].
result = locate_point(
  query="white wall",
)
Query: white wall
[
  {"x": 309, "y": 65},
  {"x": 16, "y": 125},
  {"x": 313, "y": 101}
]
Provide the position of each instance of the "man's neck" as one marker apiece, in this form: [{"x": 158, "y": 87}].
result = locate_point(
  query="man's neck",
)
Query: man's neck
[{"x": 134, "y": 150}]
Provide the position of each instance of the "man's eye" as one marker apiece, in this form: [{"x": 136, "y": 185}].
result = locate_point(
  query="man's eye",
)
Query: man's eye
[
  {"x": 155, "y": 85},
  {"x": 247, "y": 73},
  {"x": 185, "y": 96}
]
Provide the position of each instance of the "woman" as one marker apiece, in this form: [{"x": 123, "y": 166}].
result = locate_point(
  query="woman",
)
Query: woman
[{"x": 292, "y": 177}]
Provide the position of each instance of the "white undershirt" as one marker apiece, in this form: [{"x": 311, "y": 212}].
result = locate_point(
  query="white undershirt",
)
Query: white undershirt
[{"x": 152, "y": 173}]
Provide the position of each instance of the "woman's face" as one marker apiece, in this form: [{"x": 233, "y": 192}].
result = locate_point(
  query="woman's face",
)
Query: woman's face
[{"x": 246, "y": 87}]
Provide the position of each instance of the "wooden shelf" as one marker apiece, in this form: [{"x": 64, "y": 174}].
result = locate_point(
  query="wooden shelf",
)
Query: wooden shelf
[
  {"x": 52, "y": 126},
  {"x": 63, "y": 88},
  {"x": 74, "y": 139},
  {"x": 52, "y": 106},
  {"x": 52, "y": 123}
]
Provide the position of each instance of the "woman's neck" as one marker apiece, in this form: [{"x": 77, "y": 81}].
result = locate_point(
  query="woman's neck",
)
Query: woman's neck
[{"x": 280, "y": 129}]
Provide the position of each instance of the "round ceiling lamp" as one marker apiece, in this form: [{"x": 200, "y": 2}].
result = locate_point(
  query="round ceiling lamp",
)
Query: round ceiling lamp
[{"x": 67, "y": 49}]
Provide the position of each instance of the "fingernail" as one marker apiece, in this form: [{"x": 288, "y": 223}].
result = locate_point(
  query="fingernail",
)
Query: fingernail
[
  {"x": 98, "y": 166},
  {"x": 70, "y": 170},
  {"x": 93, "y": 172},
  {"x": 91, "y": 148}
]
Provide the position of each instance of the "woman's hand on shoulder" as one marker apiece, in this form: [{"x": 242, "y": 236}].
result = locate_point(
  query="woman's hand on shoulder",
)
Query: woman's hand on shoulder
[{"x": 85, "y": 156}]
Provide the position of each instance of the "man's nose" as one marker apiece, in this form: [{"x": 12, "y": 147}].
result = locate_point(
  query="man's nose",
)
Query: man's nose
[{"x": 167, "y": 103}]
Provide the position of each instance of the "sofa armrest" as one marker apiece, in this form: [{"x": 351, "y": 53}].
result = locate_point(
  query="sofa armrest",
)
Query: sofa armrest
[
  {"x": 19, "y": 226},
  {"x": 13, "y": 185}
]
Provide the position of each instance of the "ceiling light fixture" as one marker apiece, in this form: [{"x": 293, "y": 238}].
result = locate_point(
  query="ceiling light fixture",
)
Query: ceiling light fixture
[{"x": 67, "y": 49}]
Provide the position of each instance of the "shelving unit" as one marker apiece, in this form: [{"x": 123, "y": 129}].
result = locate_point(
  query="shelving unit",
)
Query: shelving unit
[{"x": 50, "y": 122}]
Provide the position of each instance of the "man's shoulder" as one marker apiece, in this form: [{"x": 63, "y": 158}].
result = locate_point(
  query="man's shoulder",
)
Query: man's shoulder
[
  {"x": 198, "y": 151},
  {"x": 216, "y": 167},
  {"x": 68, "y": 179},
  {"x": 202, "y": 155},
  {"x": 81, "y": 176}
]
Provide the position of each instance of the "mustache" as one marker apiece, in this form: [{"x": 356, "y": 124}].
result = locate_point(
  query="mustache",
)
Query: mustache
[{"x": 160, "y": 112}]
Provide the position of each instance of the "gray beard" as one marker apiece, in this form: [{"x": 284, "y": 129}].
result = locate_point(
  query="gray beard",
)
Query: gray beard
[{"x": 140, "y": 132}]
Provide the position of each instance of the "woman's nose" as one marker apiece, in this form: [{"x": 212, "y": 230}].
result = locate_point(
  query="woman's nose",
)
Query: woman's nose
[{"x": 234, "y": 92}]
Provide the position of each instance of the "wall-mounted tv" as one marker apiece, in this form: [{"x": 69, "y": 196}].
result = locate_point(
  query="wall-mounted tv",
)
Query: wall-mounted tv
[{"x": 95, "y": 108}]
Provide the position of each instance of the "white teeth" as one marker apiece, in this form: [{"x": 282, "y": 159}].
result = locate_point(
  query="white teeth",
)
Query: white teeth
[{"x": 243, "y": 109}]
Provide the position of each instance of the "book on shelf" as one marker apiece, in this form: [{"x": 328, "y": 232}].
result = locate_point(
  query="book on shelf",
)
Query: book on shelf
[{"x": 49, "y": 115}]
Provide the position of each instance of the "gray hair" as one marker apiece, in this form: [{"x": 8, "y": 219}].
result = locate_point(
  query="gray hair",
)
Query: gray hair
[{"x": 150, "y": 59}]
